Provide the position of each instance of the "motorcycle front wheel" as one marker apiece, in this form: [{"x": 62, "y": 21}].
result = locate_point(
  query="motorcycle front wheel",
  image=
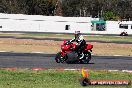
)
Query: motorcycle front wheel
[{"x": 58, "y": 57}]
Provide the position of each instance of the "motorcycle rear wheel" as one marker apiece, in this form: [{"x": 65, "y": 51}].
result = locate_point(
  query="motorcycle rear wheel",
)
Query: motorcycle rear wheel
[{"x": 87, "y": 57}]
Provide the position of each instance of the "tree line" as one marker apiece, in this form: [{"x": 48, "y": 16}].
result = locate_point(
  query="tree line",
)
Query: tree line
[{"x": 105, "y": 9}]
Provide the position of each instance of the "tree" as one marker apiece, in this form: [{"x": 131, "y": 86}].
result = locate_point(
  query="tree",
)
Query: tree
[
  {"x": 58, "y": 8},
  {"x": 123, "y": 7},
  {"x": 109, "y": 15},
  {"x": 108, "y": 9},
  {"x": 70, "y": 7}
]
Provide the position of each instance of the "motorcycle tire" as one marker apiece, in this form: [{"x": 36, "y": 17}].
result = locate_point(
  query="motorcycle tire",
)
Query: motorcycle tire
[
  {"x": 58, "y": 58},
  {"x": 87, "y": 57}
]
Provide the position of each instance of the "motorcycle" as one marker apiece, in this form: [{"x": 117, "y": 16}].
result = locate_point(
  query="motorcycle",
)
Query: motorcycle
[
  {"x": 69, "y": 55},
  {"x": 124, "y": 34}
]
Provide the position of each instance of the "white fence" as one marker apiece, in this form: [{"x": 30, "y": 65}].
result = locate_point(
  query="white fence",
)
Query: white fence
[{"x": 38, "y": 23}]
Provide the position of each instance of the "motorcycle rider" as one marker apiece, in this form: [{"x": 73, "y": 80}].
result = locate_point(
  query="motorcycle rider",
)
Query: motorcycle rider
[{"x": 80, "y": 43}]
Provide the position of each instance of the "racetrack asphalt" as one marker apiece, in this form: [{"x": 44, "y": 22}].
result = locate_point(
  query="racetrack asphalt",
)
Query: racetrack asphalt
[{"x": 32, "y": 60}]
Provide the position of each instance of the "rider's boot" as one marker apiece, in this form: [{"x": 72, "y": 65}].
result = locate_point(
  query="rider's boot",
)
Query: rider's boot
[{"x": 81, "y": 56}]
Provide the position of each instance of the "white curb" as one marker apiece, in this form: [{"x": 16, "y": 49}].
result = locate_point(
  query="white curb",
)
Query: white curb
[
  {"x": 37, "y": 52},
  {"x": 129, "y": 71},
  {"x": 117, "y": 55},
  {"x": 2, "y": 51},
  {"x": 113, "y": 70}
]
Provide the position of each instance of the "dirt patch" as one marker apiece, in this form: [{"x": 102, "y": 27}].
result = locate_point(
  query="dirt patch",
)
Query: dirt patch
[
  {"x": 51, "y": 46},
  {"x": 112, "y": 49}
]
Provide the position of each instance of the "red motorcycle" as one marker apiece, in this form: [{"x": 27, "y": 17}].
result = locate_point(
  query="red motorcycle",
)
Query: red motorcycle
[{"x": 69, "y": 55}]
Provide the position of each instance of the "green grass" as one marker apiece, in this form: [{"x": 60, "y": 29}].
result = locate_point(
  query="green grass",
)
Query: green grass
[
  {"x": 110, "y": 38},
  {"x": 55, "y": 79},
  {"x": 88, "y": 37},
  {"x": 70, "y": 36}
]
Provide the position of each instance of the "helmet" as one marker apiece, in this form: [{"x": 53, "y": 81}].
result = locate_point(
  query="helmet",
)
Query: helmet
[{"x": 77, "y": 33}]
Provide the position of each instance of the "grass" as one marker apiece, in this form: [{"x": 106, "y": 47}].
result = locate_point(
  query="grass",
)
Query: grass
[
  {"x": 87, "y": 37},
  {"x": 111, "y": 38},
  {"x": 69, "y": 36},
  {"x": 55, "y": 79}
]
